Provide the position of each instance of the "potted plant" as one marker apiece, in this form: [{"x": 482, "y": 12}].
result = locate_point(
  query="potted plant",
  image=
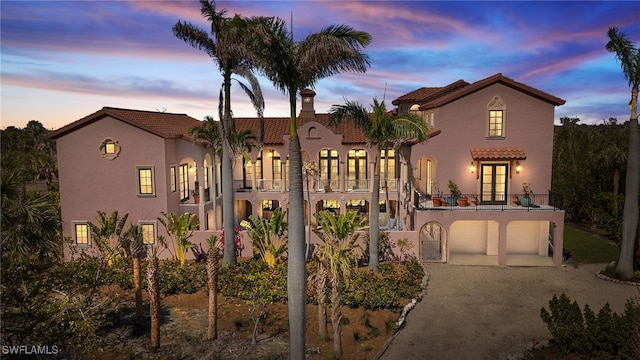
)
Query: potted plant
[
  {"x": 436, "y": 194},
  {"x": 196, "y": 196},
  {"x": 454, "y": 190},
  {"x": 525, "y": 200}
]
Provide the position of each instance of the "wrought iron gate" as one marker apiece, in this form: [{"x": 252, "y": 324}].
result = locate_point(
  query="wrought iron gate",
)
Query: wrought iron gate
[{"x": 431, "y": 240}]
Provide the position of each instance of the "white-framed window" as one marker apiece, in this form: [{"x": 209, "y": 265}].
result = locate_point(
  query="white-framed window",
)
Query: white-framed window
[
  {"x": 81, "y": 234},
  {"x": 172, "y": 179},
  {"x": 145, "y": 180},
  {"x": 496, "y": 118},
  {"x": 148, "y": 232},
  {"x": 183, "y": 181}
]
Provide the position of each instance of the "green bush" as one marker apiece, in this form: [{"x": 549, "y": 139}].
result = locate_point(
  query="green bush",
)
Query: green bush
[
  {"x": 246, "y": 278},
  {"x": 602, "y": 336},
  {"x": 186, "y": 279},
  {"x": 384, "y": 290}
]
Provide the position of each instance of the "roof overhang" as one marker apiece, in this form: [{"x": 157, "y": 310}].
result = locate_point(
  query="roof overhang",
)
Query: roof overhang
[{"x": 498, "y": 153}]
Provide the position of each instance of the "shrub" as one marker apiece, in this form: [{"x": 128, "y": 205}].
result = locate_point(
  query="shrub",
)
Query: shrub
[
  {"x": 602, "y": 336},
  {"x": 242, "y": 279},
  {"x": 384, "y": 290}
]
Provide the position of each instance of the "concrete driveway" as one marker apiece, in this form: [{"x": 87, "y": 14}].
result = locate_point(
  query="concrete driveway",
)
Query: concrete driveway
[{"x": 491, "y": 312}]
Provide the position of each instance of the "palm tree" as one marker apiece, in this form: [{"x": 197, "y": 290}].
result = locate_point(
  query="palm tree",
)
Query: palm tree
[
  {"x": 293, "y": 67},
  {"x": 336, "y": 257},
  {"x": 180, "y": 228},
  {"x": 629, "y": 58},
  {"x": 135, "y": 248},
  {"x": 269, "y": 236},
  {"x": 212, "y": 282},
  {"x": 228, "y": 46},
  {"x": 153, "y": 286},
  {"x": 382, "y": 130},
  {"x": 109, "y": 234},
  {"x": 29, "y": 221}
]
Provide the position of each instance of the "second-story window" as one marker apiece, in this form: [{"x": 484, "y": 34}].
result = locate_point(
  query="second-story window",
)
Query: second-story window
[
  {"x": 172, "y": 176},
  {"x": 183, "y": 181},
  {"x": 247, "y": 171},
  {"x": 357, "y": 169},
  {"x": 390, "y": 167},
  {"x": 496, "y": 118},
  {"x": 496, "y": 121},
  {"x": 329, "y": 168},
  {"x": 145, "y": 181}
]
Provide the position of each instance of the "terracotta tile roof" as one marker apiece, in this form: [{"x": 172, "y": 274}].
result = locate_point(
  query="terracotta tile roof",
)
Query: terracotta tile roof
[
  {"x": 498, "y": 153},
  {"x": 497, "y": 78},
  {"x": 169, "y": 125},
  {"x": 430, "y": 98},
  {"x": 275, "y": 128},
  {"x": 165, "y": 125},
  {"x": 426, "y": 94}
]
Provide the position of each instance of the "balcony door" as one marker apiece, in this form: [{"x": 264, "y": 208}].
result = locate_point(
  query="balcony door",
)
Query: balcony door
[
  {"x": 494, "y": 183},
  {"x": 357, "y": 169}
]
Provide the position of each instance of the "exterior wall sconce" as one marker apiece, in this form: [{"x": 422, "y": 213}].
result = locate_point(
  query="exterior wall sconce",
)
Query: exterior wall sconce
[
  {"x": 518, "y": 167},
  {"x": 472, "y": 167},
  {"x": 270, "y": 154}
]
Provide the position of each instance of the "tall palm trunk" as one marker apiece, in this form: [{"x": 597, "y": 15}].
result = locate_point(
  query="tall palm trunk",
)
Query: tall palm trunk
[
  {"x": 321, "y": 293},
  {"x": 153, "y": 284},
  {"x": 137, "y": 286},
  {"x": 212, "y": 281},
  {"x": 228, "y": 196},
  {"x": 374, "y": 213},
  {"x": 297, "y": 271},
  {"x": 624, "y": 268},
  {"x": 336, "y": 316}
]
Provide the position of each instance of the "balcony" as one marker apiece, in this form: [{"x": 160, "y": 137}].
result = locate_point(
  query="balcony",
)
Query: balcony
[
  {"x": 360, "y": 185},
  {"x": 513, "y": 202}
]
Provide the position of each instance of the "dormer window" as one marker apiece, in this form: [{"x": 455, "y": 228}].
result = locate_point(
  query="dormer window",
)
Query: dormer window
[{"x": 496, "y": 116}]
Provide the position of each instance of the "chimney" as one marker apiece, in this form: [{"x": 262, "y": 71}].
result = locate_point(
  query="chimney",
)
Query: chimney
[{"x": 307, "y": 110}]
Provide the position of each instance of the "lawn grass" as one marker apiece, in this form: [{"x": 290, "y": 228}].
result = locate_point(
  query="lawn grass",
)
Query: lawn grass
[{"x": 588, "y": 248}]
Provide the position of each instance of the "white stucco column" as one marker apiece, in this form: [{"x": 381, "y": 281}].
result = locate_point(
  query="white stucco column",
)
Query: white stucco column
[
  {"x": 202, "y": 218},
  {"x": 342, "y": 176},
  {"x": 254, "y": 182}
]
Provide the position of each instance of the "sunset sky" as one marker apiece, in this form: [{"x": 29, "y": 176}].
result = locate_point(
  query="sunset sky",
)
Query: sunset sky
[{"x": 62, "y": 60}]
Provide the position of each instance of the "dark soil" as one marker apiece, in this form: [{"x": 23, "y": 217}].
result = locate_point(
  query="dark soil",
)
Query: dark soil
[{"x": 184, "y": 327}]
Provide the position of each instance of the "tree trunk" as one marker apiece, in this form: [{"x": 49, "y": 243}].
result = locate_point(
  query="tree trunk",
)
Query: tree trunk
[
  {"x": 336, "y": 316},
  {"x": 616, "y": 189},
  {"x": 374, "y": 214},
  {"x": 624, "y": 268},
  {"x": 296, "y": 271},
  {"x": 137, "y": 286},
  {"x": 153, "y": 284},
  {"x": 228, "y": 196},
  {"x": 321, "y": 292},
  {"x": 212, "y": 280}
]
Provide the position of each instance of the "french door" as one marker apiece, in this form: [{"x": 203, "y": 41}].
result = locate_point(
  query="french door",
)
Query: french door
[{"x": 494, "y": 183}]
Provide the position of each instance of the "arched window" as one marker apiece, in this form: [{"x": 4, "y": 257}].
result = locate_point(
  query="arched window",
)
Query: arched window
[{"x": 357, "y": 169}]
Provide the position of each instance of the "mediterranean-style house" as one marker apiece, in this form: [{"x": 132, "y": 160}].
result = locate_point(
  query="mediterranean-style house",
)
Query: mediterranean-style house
[{"x": 493, "y": 138}]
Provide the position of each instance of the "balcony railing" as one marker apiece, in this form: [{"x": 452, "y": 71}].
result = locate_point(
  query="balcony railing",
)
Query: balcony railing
[
  {"x": 474, "y": 202},
  {"x": 358, "y": 185}
]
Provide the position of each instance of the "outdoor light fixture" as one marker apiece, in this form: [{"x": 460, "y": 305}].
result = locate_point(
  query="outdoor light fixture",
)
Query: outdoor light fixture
[
  {"x": 472, "y": 167},
  {"x": 518, "y": 167},
  {"x": 270, "y": 153}
]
